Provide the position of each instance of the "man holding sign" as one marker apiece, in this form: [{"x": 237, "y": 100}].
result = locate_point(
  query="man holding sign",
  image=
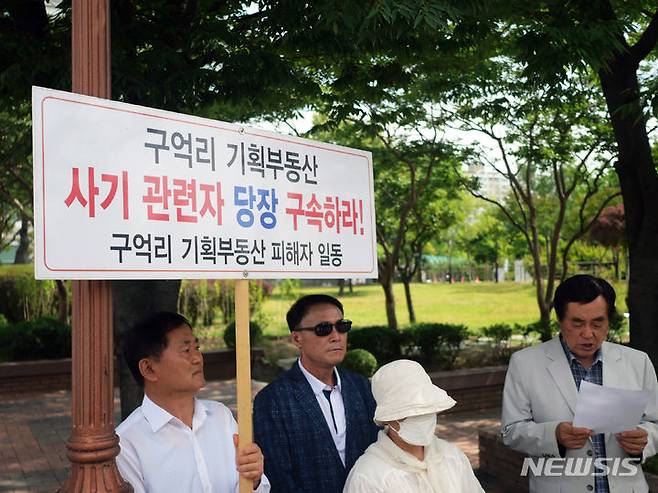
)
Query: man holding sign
[
  {"x": 316, "y": 420},
  {"x": 174, "y": 442},
  {"x": 541, "y": 391}
]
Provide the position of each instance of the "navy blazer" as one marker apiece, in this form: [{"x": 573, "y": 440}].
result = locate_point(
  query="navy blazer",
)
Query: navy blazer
[{"x": 300, "y": 455}]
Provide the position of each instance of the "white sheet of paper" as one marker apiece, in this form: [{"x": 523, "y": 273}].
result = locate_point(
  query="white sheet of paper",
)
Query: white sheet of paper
[{"x": 607, "y": 409}]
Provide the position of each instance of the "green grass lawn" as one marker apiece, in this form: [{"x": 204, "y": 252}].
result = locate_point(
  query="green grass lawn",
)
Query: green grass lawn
[{"x": 474, "y": 305}]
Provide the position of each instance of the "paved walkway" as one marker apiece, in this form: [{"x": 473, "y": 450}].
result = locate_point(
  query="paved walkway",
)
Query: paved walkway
[{"x": 35, "y": 427}]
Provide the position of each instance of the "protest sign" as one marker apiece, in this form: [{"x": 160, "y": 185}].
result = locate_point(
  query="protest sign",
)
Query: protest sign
[{"x": 128, "y": 192}]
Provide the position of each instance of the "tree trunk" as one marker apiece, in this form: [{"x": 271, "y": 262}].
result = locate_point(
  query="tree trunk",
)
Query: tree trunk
[
  {"x": 23, "y": 251},
  {"x": 386, "y": 280},
  {"x": 132, "y": 302},
  {"x": 615, "y": 261},
  {"x": 544, "y": 314},
  {"x": 496, "y": 260},
  {"x": 639, "y": 185},
  {"x": 627, "y": 270},
  {"x": 541, "y": 294},
  {"x": 62, "y": 301},
  {"x": 410, "y": 304},
  {"x": 341, "y": 287},
  {"x": 545, "y": 322},
  {"x": 419, "y": 263}
]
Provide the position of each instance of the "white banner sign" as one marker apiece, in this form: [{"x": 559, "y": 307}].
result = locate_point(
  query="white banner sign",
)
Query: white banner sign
[{"x": 128, "y": 192}]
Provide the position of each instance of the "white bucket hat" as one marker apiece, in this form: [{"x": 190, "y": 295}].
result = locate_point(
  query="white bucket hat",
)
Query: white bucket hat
[{"x": 402, "y": 389}]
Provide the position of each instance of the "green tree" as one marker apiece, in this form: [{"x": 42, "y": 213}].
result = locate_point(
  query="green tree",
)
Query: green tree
[
  {"x": 554, "y": 151},
  {"x": 486, "y": 242},
  {"x": 164, "y": 54},
  {"x": 429, "y": 218},
  {"x": 407, "y": 192},
  {"x": 412, "y": 180},
  {"x": 228, "y": 62},
  {"x": 609, "y": 230},
  {"x": 551, "y": 38},
  {"x": 16, "y": 181},
  {"x": 616, "y": 41},
  {"x": 32, "y": 52}
]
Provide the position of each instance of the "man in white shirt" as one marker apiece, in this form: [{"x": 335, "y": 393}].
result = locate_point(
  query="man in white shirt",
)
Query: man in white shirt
[
  {"x": 315, "y": 420},
  {"x": 175, "y": 442},
  {"x": 407, "y": 456}
]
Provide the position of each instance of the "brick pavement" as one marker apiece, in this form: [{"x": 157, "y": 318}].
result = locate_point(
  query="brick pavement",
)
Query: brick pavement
[{"x": 34, "y": 428}]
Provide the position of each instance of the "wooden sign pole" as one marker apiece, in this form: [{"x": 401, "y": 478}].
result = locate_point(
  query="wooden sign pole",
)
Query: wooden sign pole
[{"x": 243, "y": 369}]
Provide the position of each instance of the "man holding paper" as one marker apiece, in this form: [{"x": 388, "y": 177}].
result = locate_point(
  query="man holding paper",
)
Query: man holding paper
[{"x": 541, "y": 397}]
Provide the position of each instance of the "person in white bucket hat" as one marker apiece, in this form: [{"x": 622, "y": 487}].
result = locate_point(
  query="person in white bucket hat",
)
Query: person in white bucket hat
[{"x": 408, "y": 457}]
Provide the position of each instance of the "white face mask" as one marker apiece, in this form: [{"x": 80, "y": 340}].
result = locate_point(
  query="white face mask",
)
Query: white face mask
[{"x": 417, "y": 430}]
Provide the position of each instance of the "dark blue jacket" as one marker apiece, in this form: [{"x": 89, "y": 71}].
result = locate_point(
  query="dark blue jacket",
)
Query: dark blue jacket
[{"x": 289, "y": 427}]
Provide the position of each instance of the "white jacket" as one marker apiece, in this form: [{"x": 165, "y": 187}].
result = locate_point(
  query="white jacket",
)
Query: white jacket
[
  {"x": 386, "y": 468},
  {"x": 540, "y": 392}
]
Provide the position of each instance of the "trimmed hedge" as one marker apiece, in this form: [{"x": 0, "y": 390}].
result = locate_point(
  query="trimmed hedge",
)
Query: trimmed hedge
[
  {"x": 24, "y": 298},
  {"x": 255, "y": 334},
  {"x": 42, "y": 338},
  {"x": 618, "y": 327},
  {"x": 360, "y": 361},
  {"x": 432, "y": 344},
  {"x": 498, "y": 332},
  {"x": 500, "y": 335},
  {"x": 382, "y": 342},
  {"x": 203, "y": 301},
  {"x": 438, "y": 344}
]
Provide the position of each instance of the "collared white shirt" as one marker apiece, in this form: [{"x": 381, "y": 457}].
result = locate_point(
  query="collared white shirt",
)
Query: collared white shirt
[
  {"x": 337, "y": 433},
  {"x": 160, "y": 454}
]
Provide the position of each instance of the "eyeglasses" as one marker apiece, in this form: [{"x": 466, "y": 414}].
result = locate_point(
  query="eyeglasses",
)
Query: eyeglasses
[{"x": 324, "y": 328}]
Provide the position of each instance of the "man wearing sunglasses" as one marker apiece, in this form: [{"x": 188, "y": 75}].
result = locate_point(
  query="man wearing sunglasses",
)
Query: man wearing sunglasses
[{"x": 316, "y": 420}]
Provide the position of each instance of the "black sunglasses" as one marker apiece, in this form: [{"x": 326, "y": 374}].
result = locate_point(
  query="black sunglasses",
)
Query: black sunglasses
[{"x": 324, "y": 328}]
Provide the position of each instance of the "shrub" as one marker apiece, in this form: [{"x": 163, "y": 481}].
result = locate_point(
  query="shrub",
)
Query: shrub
[
  {"x": 42, "y": 338},
  {"x": 438, "y": 344},
  {"x": 4, "y": 338},
  {"x": 536, "y": 328},
  {"x": 205, "y": 300},
  {"x": 289, "y": 288},
  {"x": 267, "y": 288},
  {"x": 500, "y": 346},
  {"x": 255, "y": 334},
  {"x": 24, "y": 298},
  {"x": 258, "y": 292},
  {"x": 360, "y": 361},
  {"x": 617, "y": 328},
  {"x": 198, "y": 301},
  {"x": 380, "y": 341},
  {"x": 498, "y": 332},
  {"x": 651, "y": 465}
]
